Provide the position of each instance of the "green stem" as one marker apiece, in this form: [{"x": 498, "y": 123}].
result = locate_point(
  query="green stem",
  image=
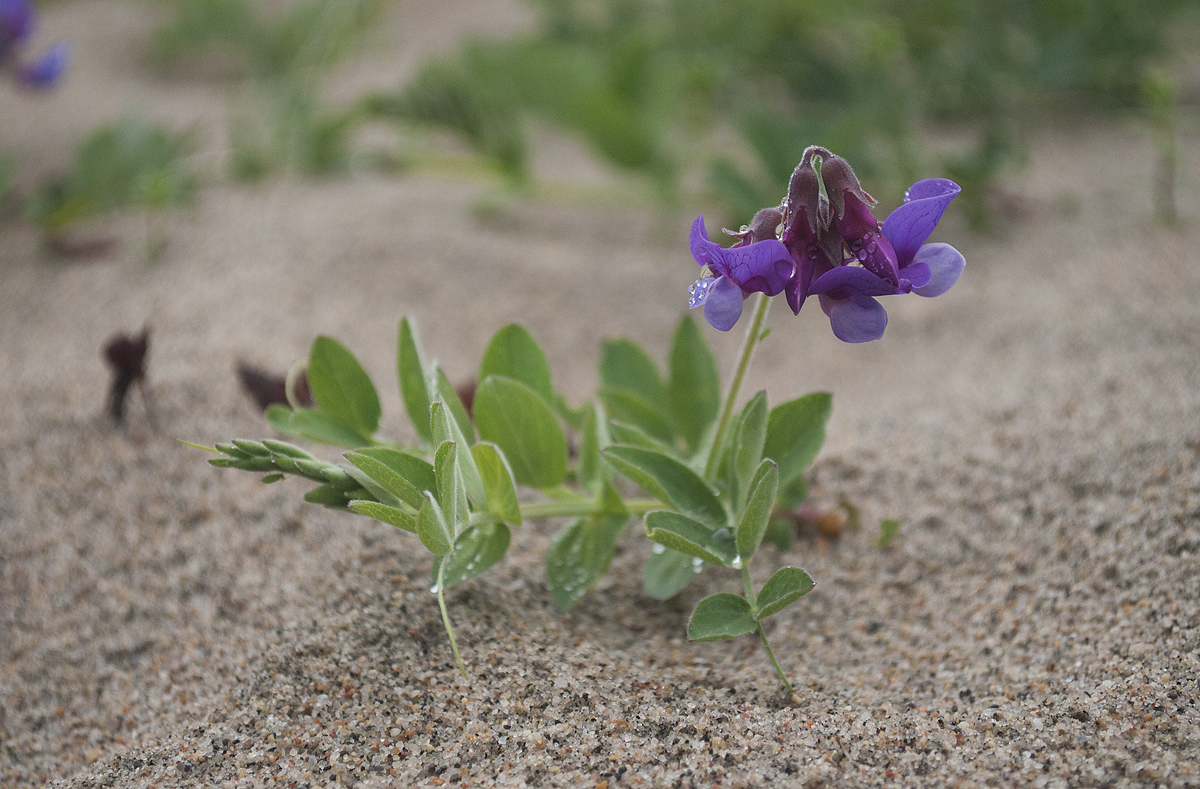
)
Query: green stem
[
  {"x": 441, "y": 596},
  {"x": 753, "y": 335},
  {"x": 779, "y": 670},
  {"x": 751, "y": 597}
]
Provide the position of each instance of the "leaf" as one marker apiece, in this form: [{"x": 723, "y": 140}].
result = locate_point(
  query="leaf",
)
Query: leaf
[
  {"x": 432, "y": 528},
  {"x": 414, "y": 387},
  {"x": 327, "y": 495},
  {"x": 286, "y": 449},
  {"x": 477, "y": 549},
  {"x": 595, "y": 436},
  {"x": 795, "y": 433},
  {"x": 625, "y": 433},
  {"x": 393, "y": 516},
  {"x": 517, "y": 419},
  {"x": 748, "y": 446},
  {"x": 721, "y": 616},
  {"x": 451, "y": 492},
  {"x": 404, "y": 476},
  {"x": 319, "y": 426},
  {"x": 580, "y": 555},
  {"x": 629, "y": 406},
  {"x": 513, "y": 353},
  {"x": 498, "y": 484},
  {"x": 667, "y": 572},
  {"x": 449, "y": 395},
  {"x": 445, "y": 428},
  {"x": 757, "y": 514},
  {"x": 670, "y": 481},
  {"x": 784, "y": 587},
  {"x": 688, "y": 536},
  {"x": 625, "y": 365},
  {"x": 693, "y": 384},
  {"x": 342, "y": 387}
]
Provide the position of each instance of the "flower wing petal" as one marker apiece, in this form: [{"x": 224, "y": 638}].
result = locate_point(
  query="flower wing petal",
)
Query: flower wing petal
[
  {"x": 909, "y": 225},
  {"x": 723, "y": 306},
  {"x": 764, "y": 266},
  {"x": 945, "y": 265},
  {"x": 857, "y": 319}
]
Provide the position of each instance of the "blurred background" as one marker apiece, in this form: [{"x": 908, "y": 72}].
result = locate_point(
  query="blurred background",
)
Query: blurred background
[{"x": 681, "y": 102}]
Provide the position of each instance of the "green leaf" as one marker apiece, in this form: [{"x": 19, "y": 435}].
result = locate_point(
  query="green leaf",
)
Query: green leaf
[
  {"x": 667, "y": 572},
  {"x": 670, "y": 481},
  {"x": 519, "y": 421},
  {"x": 625, "y": 365},
  {"x": 327, "y": 495},
  {"x": 476, "y": 550},
  {"x": 319, "y": 426},
  {"x": 625, "y": 433},
  {"x": 795, "y": 433},
  {"x": 251, "y": 448},
  {"x": 286, "y": 449},
  {"x": 630, "y": 406},
  {"x": 681, "y": 533},
  {"x": 414, "y": 386},
  {"x": 498, "y": 484},
  {"x": 342, "y": 387},
  {"x": 580, "y": 555},
  {"x": 748, "y": 446},
  {"x": 757, "y": 514},
  {"x": 592, "y": 470},
  {"x": 447, "y": 394},
  {"x": 445, "y": 428},
  {"x": 393, "y": 516},
  {"x": 404, "y": 476},
  {"x": 435, "y": 533},
  {"x": 721, "y": 616},
  {"x": 451, "y": 492},
  {"x": 693, "y": 384},
  {"x": 271, "y": 478},
  {"x": 513, "y": 353},
  {"x": 784, "y": 587}
]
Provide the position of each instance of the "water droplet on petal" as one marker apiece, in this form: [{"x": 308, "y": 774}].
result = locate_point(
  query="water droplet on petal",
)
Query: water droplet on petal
[{"x": 872, "y": 246}]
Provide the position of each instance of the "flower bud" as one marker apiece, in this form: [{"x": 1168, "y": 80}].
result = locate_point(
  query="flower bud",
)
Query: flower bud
[{"x": 764, "y": 225}]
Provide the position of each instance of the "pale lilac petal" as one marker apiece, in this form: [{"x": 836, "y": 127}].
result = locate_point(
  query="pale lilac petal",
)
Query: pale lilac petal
[
  {"x": 911, "y": 224},
  {"x": 856, "y": 319},
  {"x": 945, "y": 265},
  {"x": 723, "y": 306},
  {"x": 843, "y": 281},
  {"x": 698, "y": 292}
]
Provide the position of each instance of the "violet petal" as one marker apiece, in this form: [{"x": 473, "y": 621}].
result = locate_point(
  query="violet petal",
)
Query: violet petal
[
  {"x": 45, "y": 71},
  {"x": 911, "y": 224},
  {"x": 945, "y": 265},
  {"x": 845, "y": 280},
  {"x": 698, "y": 292},
  {"x": 702, "y": 248},
  {"x": 723, "y": 306},
  {"x": 917, "y": 274},
  {"x": 762, "y": 267},
  {"x": 857, "y": 319}
]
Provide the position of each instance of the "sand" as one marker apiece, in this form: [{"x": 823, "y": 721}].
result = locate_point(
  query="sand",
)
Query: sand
[{"x": 1036, "y": 622}]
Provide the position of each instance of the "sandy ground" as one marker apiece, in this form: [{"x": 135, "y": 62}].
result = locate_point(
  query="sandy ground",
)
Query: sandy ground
[{"x": 1037, "y": 621}]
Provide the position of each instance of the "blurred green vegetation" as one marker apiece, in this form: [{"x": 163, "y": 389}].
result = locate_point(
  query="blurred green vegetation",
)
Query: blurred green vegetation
[
  {"x": 740, "y": 89},
  {"x": 282, "y": 56},
  {"x": 131, "y": 163}
]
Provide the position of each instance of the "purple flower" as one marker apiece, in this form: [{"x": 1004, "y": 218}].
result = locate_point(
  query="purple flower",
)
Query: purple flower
[
  {"x": 763, "y": 266},
  {"x": 16, "y": 26},
  {"x": 900, "y": 262}
]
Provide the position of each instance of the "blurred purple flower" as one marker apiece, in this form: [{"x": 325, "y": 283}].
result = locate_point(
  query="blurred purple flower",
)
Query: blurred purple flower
[
  {"x": 17, "y": 24},
  {"x": 763, "y": 266},
  {"x": 901, "y": 262}
]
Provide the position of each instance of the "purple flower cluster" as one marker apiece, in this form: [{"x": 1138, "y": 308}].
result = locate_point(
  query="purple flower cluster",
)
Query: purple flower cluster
[
  {"x": 16, "y": 26},
  {"x": 827, "y": 243}
]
